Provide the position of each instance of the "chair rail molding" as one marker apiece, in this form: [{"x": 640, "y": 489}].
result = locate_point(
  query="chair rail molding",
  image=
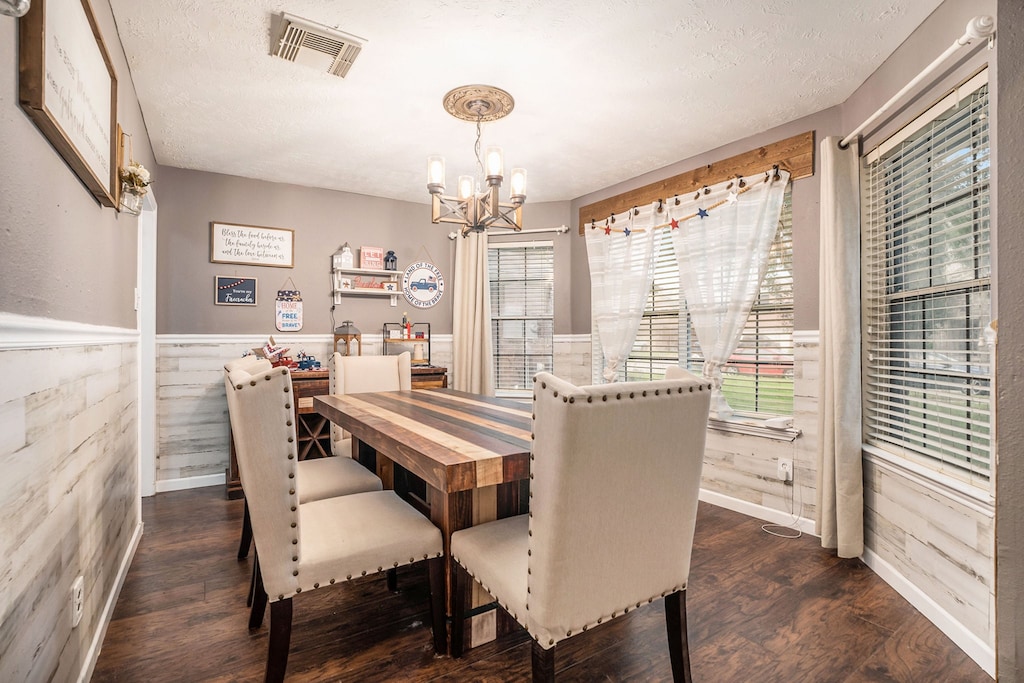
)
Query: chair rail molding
[{"x": 30, "y": 332}]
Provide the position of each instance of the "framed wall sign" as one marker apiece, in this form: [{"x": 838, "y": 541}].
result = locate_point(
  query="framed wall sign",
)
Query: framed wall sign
[
  {"x": 252, "y": 245},
  {"x": 422, "y": 284},
  {"x": 231, "y": 290},
  {"x": 68, "y": 87}
]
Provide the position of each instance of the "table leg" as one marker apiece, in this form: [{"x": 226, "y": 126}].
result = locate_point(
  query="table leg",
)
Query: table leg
[{"x": 450, "y": 512}]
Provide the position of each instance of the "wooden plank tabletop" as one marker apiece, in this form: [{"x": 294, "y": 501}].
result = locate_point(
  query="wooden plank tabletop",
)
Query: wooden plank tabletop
[{"x": 455, "y": 441}]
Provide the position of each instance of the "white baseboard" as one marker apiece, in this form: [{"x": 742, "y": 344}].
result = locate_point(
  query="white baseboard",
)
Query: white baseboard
[
  {"x": 982, "y": 653},
  {"x": 758, "y": 511},
  {"x": 189, "y": 482},
  {"x": 89, "y": 665}
]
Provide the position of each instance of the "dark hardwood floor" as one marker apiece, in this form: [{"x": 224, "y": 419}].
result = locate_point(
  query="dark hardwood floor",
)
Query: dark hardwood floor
[{"x": 760, "y": 608}]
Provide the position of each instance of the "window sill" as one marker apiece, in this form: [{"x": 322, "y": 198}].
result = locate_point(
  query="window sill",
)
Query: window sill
[{"x": 754, "y": 427}]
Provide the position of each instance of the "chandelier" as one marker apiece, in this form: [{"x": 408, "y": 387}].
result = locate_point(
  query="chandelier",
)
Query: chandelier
[{"x": 472, "y": 208}]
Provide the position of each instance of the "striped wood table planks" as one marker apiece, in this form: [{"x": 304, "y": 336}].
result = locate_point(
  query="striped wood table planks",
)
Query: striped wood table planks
[{"x": 472, "y": 451}]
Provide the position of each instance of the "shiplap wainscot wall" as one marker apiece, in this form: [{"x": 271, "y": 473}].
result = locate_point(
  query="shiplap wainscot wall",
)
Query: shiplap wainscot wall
[{"x": 69, "y": 493}]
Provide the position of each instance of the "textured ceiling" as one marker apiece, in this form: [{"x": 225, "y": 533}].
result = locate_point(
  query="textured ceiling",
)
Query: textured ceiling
[{"x": 604, "y": 91}]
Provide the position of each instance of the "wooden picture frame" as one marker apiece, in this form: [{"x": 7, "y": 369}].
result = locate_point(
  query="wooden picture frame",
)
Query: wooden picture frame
[
  {"x": 252, "y": 245},
  {"x": 231, "y": 290},
  {"x": 68, "y": 87}
]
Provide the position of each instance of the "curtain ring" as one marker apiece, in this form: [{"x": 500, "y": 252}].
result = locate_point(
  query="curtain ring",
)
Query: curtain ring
[
  {"x": 775, "y": 167},
  {"x": 677, "y": 200},
  {"x": 660, "y": 203},
  {"x": 636, "y": 211},
  {"x": 743, "y": 183},
  {"x": 707, "y": 190},
  {"x": 613, "y": 218}
]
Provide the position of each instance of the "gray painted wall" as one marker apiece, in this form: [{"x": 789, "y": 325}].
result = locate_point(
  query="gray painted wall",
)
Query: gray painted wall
[
  {"x": 1009, "y": 207},
  {"x": 64, "y": 256},
  {"x": 322, "y": 221}
]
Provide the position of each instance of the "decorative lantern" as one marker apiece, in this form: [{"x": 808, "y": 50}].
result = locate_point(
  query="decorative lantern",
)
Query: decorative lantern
[
  {"x": 391, "y": 261},
  {"x": 348, "y": 333}
]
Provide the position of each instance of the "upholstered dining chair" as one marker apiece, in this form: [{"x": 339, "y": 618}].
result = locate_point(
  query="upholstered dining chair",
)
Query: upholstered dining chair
[
  {"x": 317, "y": 478},
  {"x": 359, "y": 374},
  {"x": 312, "y": 545},
  {"x": 614, "y": 477}
]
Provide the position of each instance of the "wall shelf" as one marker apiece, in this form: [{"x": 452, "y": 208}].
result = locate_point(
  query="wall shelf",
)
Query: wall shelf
[{"x": 363, "y": 282}]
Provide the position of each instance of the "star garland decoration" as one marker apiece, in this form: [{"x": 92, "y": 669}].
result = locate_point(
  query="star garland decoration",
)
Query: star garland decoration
[{"x": 701, "y": 212}]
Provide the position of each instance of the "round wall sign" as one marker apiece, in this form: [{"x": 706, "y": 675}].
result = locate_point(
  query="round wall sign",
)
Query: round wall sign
[{"x": 422, "y": 284}]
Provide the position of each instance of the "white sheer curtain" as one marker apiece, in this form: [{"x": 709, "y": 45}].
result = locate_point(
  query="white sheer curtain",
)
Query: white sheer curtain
[
  {"x": 722, "y": 242},
  {"x": 472, "y": 365},
  {"x": 840, "y": 504},
  {"x": 620, "y": 257}
]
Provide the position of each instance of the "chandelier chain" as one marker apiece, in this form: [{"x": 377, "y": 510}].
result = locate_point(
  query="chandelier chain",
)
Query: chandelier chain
[{"x": 476, "y": 147}]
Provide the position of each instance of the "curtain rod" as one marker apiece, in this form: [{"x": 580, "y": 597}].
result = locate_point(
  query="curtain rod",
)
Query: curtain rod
[
  {"x": 982, "y": 26},
  {"x": 560, "y": 229}
]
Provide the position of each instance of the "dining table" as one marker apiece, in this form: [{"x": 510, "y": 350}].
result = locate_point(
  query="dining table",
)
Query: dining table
[{"x": 471, "y": 452}]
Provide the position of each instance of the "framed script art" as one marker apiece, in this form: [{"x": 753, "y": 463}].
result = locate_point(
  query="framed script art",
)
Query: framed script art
[
  {"x": 251, "y": 245},
  {"x": 68, "y": 87}
]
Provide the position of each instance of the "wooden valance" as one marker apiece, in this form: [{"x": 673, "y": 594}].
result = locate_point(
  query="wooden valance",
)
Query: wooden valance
[{"x": 795, "y": 154}]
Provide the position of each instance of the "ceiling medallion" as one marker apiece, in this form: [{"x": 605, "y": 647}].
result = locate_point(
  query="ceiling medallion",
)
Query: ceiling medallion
[{"x": 483, "y": 102}]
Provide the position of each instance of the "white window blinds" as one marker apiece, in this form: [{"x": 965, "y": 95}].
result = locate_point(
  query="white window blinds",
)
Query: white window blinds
[
  {"x": 926, "y": 294},
  {"x": 758, "y": 380},
  {"x": 522, "y": 312}
]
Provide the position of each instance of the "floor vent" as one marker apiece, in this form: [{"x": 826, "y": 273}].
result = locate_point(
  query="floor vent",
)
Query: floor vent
[{"x": 323, "y": 48}]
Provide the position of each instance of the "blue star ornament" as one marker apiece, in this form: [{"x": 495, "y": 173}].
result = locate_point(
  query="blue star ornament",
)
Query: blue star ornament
[
  {"x": 626, "y": 231},
  {"x": 702, "y": 213}
]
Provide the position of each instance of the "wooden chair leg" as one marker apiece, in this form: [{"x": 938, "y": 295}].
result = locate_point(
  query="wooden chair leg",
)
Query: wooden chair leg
[
  {"x": 392, "y": 576},
  {"x": 259, "y": 599},
  {"x": 459, "y": 590},
  {"x": 252, "y": 584},
  {"x": 438, "y": 623},
  {"x": 543, "y": 663},
  {"x": 280, "y": 639},
  {"x": 678, "y": 641},
  {"x": 246, "y": 541}
]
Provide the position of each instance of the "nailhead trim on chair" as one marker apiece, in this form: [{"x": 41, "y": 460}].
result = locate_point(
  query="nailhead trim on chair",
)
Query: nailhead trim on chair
[{"x": 529, "y": 552}]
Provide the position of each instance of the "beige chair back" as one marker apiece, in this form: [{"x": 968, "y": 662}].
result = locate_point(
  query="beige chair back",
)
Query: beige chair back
[
  {"x": 245, "y": 365},
  {"x": 615, "y": 475},
  {"x": 359, "y": 374},
  {"x": 262, "y": 419}
]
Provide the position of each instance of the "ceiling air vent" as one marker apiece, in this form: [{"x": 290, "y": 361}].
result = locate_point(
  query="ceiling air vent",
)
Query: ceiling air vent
[{"x": 318, "y": 46}]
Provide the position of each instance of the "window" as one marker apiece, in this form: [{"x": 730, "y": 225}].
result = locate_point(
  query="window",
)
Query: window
[
  {"x": 926, "y": 294},
  {"x": 758, "y": 381},
  {"x": 522, "y": 313}
]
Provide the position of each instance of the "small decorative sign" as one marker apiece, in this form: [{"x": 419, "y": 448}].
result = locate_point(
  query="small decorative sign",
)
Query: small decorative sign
[
  {"x": 289, "y": 310},
  {"x": 371, "y": 257},
  {"x": 422, "y": 284},
  {"x": 230, "y": 290},
  {"x": 251, "y": 245}
]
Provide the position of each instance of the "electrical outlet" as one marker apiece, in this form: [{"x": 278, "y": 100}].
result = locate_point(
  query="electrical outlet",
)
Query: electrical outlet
[
  {"x": 77, "y": 600},
  {"x": 785, "y": 472}
]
